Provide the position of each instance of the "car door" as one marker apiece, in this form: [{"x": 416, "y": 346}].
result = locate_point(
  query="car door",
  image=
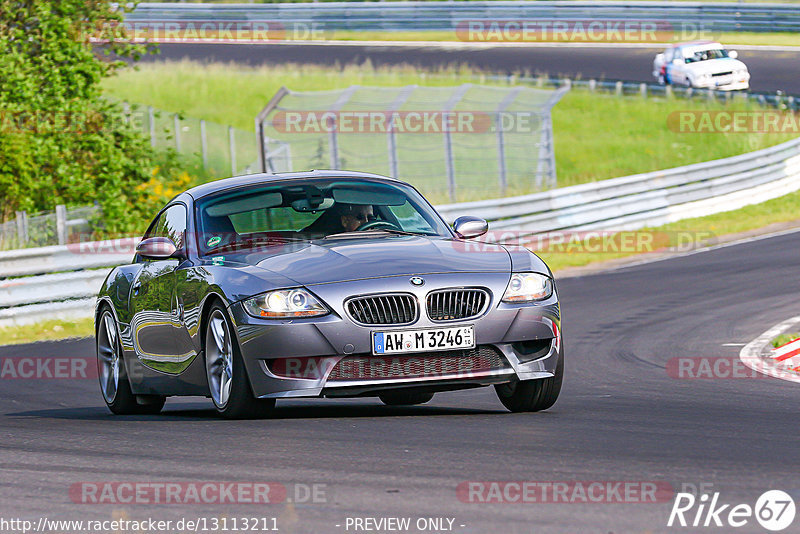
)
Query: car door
[
  {"x": 677, "y": 68},
  {"x": 152, "y": 300}
]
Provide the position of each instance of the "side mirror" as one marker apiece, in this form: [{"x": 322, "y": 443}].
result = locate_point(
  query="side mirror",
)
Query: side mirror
[
  {"x": 156, "y": 248},
  {"x": 733, "y": 54},
  {"x": 467, "y": 227}
]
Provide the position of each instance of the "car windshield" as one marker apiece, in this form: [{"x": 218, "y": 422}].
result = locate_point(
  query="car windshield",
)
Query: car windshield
[
  {"x": 704, "y": 55},
  {"x": 311, "y": 209}
]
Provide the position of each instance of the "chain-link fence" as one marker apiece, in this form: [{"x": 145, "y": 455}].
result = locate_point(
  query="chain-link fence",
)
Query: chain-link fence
[
  {"x": 220, "y": 149},
  {"x": 454, "y": 143},
  {"x": 48, "y": 228}
]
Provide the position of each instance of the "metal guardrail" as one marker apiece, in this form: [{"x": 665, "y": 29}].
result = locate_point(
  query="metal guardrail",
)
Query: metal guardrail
[
  {"x": 649, "y": 199},
  {"x": 625, "y": 203},
  {"x": 421, "y": 15}
]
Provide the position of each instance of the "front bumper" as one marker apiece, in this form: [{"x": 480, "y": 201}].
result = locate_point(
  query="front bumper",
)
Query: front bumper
[{"x": 325, "y": 341}]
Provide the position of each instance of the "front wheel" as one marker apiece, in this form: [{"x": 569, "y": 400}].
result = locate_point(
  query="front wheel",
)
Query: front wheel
[
  {"x": 227, "y": 378},
  {"x": 532, "y": 395},
  {"x": 114, "y": 384}
]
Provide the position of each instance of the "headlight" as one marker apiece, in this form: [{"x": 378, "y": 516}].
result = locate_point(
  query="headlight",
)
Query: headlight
[
  {"x": 285, "y": 303},
  {"x": 528, "y": 287}
]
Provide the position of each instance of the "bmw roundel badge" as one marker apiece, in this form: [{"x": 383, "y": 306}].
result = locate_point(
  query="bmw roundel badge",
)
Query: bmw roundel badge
[{"x": 416, "y": 280}]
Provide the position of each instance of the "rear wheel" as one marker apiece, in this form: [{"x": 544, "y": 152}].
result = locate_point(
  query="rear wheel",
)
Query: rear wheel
[
  {"x": 228, "y": 385},
  {"x": 532, "y": 395},
  {"x": 114, "y": 384},
  {"x": 405, "y": 398}
]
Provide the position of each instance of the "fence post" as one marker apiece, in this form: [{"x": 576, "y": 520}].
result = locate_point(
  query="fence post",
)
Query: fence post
[
  {"x": 203, "y": 142},
  {"x": 126, "y": 113},
  {"x": 618, "y": 88},
  {"x": 643, "y": 90},
  {"x": 151, "y": 116},
  {"x": 393, "y": 168},
  {"x": 448, "y": 159},
  {"x": 668, "y": 91},
  {"x": 501, "y": 154},
  {"x": 176, "y": 126},
  {"x": 333, "y": 143},
  {"x": 592, "y": 85},
  {"x": 61, "y": 224},
  {"x": 22, "y": 227},
  {"x": 232, "y": 148}
]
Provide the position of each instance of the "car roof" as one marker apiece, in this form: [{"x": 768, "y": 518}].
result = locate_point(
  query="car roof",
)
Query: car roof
[
  {"x": 203, "y": 190},
  {"x": 692, "y": 44}
]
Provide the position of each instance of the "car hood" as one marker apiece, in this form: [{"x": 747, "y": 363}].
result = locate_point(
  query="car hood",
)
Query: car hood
[
  {"x": 713, "y": 66},
  {"x": 357, "y": 257}
]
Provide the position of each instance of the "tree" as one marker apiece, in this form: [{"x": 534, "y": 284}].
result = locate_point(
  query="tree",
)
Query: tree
[{"x": 60, "y": 141}]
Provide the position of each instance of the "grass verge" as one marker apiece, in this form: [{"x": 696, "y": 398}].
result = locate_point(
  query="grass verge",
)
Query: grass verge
[
  {"x": 46, "y": 331},
  {"x": 784, "y": 338},
  {"x": 597, "y": 136}
]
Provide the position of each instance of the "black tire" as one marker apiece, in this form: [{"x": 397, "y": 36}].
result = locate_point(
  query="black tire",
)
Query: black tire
[
  {"x": 123, "y": 401},
  {"x": 532, "y": 395},
  {"x": 240, "y": 404},
  {"x": 405, "y": 398}
]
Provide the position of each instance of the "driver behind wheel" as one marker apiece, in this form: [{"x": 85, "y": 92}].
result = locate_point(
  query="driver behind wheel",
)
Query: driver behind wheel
[
  {"x": 353, "y": 216},
  {"x": 341, "y": 218}
]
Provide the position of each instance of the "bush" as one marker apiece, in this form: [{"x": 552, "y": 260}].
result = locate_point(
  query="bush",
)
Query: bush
[{"x": 60, "y": 141}]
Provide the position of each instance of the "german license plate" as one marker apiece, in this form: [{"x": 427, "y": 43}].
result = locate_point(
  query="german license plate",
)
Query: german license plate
[{"x": 398, "y": 341}]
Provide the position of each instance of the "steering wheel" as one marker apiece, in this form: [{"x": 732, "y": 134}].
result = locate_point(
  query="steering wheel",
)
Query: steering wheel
[{"x": 370, "y": 225}]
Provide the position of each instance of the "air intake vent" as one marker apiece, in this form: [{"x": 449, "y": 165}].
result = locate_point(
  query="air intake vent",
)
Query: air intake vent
[
  {"x": 395, "y": 309},
  {"x": 454, "y": 304}
]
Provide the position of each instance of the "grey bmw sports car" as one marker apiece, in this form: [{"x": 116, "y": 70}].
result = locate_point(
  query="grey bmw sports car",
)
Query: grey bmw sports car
[{"x": 323, "y": 284}]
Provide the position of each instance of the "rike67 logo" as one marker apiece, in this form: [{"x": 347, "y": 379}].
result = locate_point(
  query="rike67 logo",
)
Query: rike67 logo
[{"x": 774, "y": 510}]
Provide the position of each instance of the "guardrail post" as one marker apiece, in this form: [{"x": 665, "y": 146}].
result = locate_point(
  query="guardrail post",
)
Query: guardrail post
[
  {"x": 61, "y": 224},
  {"x": 668, "y": 91},
  {"x": 643, "y": 90},
  {"x": 176, "y": 126},
  {"x": 232, "y": 149},
  {"x": 618, "y": 88},
  {"x": 22, "y": 227},
  {"x": 790, "y": 102},
  {"x": 592, "y": 85},
  {"x": 203, "y": 143},
  {"x": 151, "y": 116}
]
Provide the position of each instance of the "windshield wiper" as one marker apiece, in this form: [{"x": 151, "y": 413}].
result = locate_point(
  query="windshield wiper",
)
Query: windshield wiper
[{"x": 387, "y": 230}]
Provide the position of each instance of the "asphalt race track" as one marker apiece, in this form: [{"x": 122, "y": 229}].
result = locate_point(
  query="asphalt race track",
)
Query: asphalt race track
[
  {"x": 771, "y": 70},
  {"x": 620, "y": 417}
]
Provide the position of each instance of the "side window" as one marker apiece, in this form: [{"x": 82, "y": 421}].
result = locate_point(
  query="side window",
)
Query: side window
[{"x": 172, "y": 224}]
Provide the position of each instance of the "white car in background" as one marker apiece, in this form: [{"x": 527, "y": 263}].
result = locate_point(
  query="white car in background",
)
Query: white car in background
[{"x": 703, "y": 65}]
